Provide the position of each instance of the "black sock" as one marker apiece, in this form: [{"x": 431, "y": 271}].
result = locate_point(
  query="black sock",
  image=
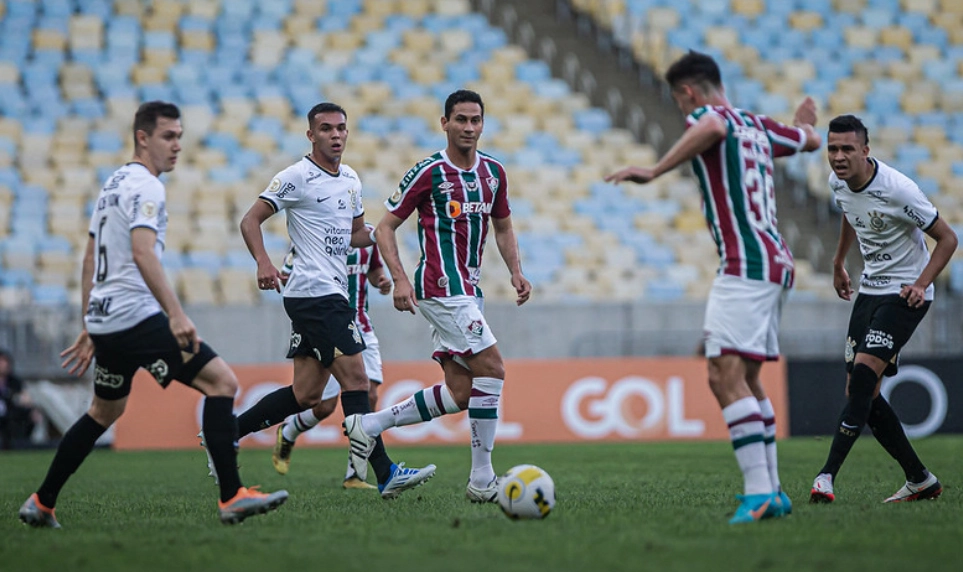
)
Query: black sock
[
  {"x": 353, "y": 402},
  {"x": 77, "y": 443},
  {"x": 889, "y": 432},
  {"x": 220, "y": 435},
  {"x": 272, "y": 409},
  {"x": 862, "y": 383}
]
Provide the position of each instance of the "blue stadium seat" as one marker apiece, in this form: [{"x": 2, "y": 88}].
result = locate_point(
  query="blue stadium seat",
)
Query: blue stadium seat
[
  {"x": 593, "y": 120},
  {"x": 108, "y": 141},
  {"x": 16, "y": 278}
]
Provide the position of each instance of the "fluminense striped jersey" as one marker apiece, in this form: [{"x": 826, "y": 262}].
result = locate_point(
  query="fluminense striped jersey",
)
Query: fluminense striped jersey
[
  {"x": 454, "y": 207},
  {"x": 360, "y": 262},
  {"x": 738, "y": 198}
]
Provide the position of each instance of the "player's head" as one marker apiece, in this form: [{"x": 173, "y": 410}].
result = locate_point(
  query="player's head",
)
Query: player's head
[
  {"x": 464, "y": 120},
  {"x": 328, "y": 133},
  {"x": 157, "y": 135},
  {"x": 694, "y": 78},
  {"x": 847, "y": 148}
]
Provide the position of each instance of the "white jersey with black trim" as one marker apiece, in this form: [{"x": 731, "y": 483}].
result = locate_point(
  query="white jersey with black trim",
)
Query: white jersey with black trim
[
  {"x": 131, "y": 198},
  {"x": 321, "y": 208},
  {"x": 889, "y": 214}
]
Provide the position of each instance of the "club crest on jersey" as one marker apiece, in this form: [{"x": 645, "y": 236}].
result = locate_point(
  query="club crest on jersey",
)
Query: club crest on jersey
[
  {"x": 876, "y": 221},
  {"x": 443, "y": 282},
  {"x": 492, "y": 184},
  {"x": 159, "y": 370},
  {"x": 476, "y": 328}
]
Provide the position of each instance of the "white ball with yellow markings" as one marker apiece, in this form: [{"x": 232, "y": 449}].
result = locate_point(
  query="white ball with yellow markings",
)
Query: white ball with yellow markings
[{"x": 526, "y": 492}]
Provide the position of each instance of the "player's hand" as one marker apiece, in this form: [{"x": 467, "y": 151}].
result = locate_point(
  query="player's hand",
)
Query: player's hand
[
  {"x": 638, "y": 175},
  {"x": 522, "y": 287},
  {"x": 284, "y": 278},
  {"x": 79, "y": 355},
  {"x": 186, "y": 334},
  {"x": 914, "y": 295},
  {"x": 805, "y": 113},
  {"x": 383, "y": 285},
  {"x": 405, "y": 297},
  {"x": 269, "y": 277},
  {"x": 841, "y": 283}
]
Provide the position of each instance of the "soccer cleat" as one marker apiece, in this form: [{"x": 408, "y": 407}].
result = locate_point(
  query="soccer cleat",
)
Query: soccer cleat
[
  {"x": 249, "y": 502},
  {"x": 403, "y": 478},
  {"x": 752, "y": 509},
  {"x": 353, "y": 482},
  {"x": 485, "y": 494},
  {"x": 822, "y": 489},
  {"x": 282, "y": 452},
  {"x": 211, "y": 471},
  {"x": 37, "y": 515},
  {"x": 929, "y": 489},
  {"x": 361, "y": 445},
  {"x": 780, "y": 506}
]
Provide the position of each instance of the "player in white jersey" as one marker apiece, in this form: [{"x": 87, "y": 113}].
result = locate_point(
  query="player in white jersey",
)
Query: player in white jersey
[
  {"x": 887, "y": 214},
  {"x": 364, "y": 267},
  {"x": 325, "y": 218},
  {"x": 134, "y": 320}
]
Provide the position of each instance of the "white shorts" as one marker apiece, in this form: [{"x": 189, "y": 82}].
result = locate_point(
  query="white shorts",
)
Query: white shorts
[
  {"x": 372, "y": 365},
  {"x": 742, "y": 318},
  {"x": 458, "y": 327}
]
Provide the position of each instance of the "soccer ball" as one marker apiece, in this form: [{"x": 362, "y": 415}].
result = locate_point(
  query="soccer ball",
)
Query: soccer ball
[{"x": 526, "y": 492}]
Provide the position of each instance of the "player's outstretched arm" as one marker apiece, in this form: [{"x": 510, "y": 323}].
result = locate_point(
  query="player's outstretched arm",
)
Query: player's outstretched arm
[
  {"x": 841, "y": 282},
  {"x": 142, "y": 242},
  {"x": 805, "y": 119},
  {"x": 79, "y": 355},
  {"x": 508, "y": 248},
  {"x": 268, "y": 276},
  {"x": 946, "y": 243},
  {"x": 387, "y": 239},
  {"x": 705, "y": 133}
]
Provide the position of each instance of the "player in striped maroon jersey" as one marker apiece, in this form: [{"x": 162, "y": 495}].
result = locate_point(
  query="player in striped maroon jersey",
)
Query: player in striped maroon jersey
[
  {"x": 455, "y": 192},
  {"x": 731, "y": 151}
]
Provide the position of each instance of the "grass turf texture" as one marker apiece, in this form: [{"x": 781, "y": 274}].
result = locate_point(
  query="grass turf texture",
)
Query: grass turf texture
[{"x": 635, "y": 506}]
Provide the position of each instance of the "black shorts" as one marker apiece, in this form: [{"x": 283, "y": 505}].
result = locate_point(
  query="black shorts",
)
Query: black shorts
[
  {"x": 323, "y": 328},
  {"x": 149, "y": 345},
  {"x": 880, "y": 326}
]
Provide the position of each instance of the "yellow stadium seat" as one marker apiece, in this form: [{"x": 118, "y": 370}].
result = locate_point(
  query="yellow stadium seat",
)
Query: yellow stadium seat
[
  {"x": 665, "y": 18},
  {"x": 46, "y": 39},
  {"x": 311, "y": 9},
  {"x": 9, "y": 73},
  {"x": 721, "y": 37},
  {"x": 932, "y": 136},
  {"x": 86, "y": 33},
  {"x": 806, "y": 21},
  {"x": 345, "y": 40},
  {"x": 196, "y": 286},
  {"x": 898, "y": 36},
  {"x": 861, "y": 37},
  {"x": 311, "y": 40},
  {"x": 904, "y": 71},
  {"x": 748, "y": 8},
  {"x": 915, "y": 102},
  {"x": 208, "y": 9},
  {"x": 951, "y": 6},
  {"x": 451, "y": 7},
  {"x": 850, "y": 6},
  {"x": 202, "y": 40},
  {"x": 237, "y": 286},
  {"x": 922, "y": 52}
]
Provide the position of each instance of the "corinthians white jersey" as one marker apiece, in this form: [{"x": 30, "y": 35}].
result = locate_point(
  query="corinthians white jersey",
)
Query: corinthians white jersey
[
  {"x": 321, "y": 208},
  {"x": 889, "y": 215},
  {"x": 131, "y": 198}
]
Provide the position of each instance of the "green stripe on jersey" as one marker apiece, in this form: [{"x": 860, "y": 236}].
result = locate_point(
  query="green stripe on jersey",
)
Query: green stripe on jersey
[
  {"x": 445, "y": 233},
  {"x": 738, "y": 195}
]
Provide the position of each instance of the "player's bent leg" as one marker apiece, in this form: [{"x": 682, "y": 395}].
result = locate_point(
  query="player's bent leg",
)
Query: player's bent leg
[
  {"x": 403, "y": 479},
  {"x": 929, "y": 489},
  {"x": 249, "y": 502}
]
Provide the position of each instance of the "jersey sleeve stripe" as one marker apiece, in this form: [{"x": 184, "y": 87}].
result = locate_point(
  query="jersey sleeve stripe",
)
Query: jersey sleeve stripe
[{"x": 270, "y": 203}]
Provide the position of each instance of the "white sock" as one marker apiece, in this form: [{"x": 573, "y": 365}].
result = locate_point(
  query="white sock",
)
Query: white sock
[
  {"x": 769, "y": 421},
  {"x": 483, "y": 417},
  {"x": 746, "y": 431},
  {"x": 424, "y": 405},
  {"x": 297, "y": 424}
]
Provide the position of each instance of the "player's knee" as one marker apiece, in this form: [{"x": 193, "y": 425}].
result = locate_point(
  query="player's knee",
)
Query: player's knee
[
  {"x": 461, "y": 396},
  {"x": 106, "y": 412},
  {"x": 325, "y": 408},
  {"x": 862, "y": 381}
]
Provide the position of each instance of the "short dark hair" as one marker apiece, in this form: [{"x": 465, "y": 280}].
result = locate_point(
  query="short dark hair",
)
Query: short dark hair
[
  {"x": 146, "y": 117},
  {"x": 694, "y": 67},
  {"x": 325, "y": 107},
  {"x": 847, "y": 124},
  {"x": 462, "y": 96}
]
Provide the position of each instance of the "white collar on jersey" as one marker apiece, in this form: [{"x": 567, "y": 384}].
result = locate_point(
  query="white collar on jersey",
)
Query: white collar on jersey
[{"x": 444, "y": 155}]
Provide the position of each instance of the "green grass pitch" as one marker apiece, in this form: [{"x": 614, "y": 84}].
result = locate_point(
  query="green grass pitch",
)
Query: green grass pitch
[{"x": 633, "y": 506}]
